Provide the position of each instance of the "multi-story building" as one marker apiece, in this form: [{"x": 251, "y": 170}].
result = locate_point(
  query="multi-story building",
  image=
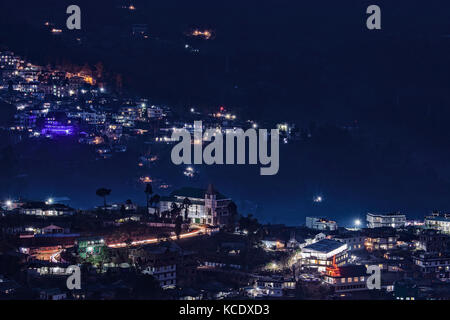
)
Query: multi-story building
[
  {"x": 155, "y": 112},
  {"x": 433, "y": 264},
  {"x": 90, "y": 247},
  {"x": 380, "y": 239},
  {"x": 271, "y": 287},
  {"x": 323, "y": 253},
  {"x": 346, "y": 278},
  {"x": 158, "y": 261},
  {"x": 438, "y": 221},
  {"x": 353, "y": 241},
  {"x": 207, "y": 206},
  {"x": 45, "y": 209},
  {"x": 433, "y": 241},
  {"x": 317, "y": 223},
  {"x": 8, "y": 60},
  {"x": 393, "y": 220}
]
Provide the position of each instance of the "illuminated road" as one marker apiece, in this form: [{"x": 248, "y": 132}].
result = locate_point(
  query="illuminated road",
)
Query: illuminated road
[
  {"x": 53, "y": 256},
  {"x": 155, "y": 240}
]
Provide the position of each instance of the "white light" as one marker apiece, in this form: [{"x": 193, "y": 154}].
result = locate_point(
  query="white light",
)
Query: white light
[
  {"x": 318, "y": 199},
  {"x": 255, "y": 126},
  {"x": 192, "y": 110},
  {"x": 49, "y": 201},
  {"x": 357, "y": 222},
  {"x": 8, "y": 203}
]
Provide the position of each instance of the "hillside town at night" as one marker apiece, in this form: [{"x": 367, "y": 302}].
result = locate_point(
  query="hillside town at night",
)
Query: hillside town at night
[{"x": 93, "y": 205}]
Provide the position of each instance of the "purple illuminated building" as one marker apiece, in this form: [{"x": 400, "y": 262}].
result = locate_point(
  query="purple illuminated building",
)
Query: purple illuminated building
[{"x": 56, "y": 124}]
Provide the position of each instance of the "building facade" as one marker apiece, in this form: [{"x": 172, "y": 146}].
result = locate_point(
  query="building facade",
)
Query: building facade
[
  {"x": 207, "y": 206},
  {"x": 437, "y": 221},
  {"x": 158, "y": 261},
  {"x": 354, "y": 242},
  {"x": 346, "y": 278},
  {"x": 324, "y": 253},
  {"x": 317, "y": 223},
  {"x": 432, "y": 264},
  {"x": 393, "y": 220}
]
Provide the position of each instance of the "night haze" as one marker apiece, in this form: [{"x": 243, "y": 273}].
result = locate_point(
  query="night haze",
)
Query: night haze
[{"x": 87, "y": 118}]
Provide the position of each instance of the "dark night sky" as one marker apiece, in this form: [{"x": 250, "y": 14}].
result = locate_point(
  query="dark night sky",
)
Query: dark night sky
[{"x": 302, "y": 61}]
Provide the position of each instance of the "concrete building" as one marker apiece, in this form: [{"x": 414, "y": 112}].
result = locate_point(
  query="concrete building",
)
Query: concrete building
[
  {"x": 346, "y": 278},
  {"x": 353, "y": 241},
  {"x": 323, "y": 253},
  {"x": 438, "y": 221},
  {"x": 38, "y": 208},
  {"x": 274, "y": 286},
  {"x": 433, "y": 264},
  {"x": 433, "y": 241},
  {"x": 207, "y": 206},
  {"x": 159, "y": 261},
  {"x": 380, "y": 239},
  {"x": 317, "y": 223},
  {"x": 393, "y": 220}
]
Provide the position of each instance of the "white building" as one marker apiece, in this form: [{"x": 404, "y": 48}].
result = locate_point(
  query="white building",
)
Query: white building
[
  {"x": 317, "y": 223},
  {"x": 207, "y": 206},
  {"x": 159, "y": 262},
  {"x": 8, "y": 60},
  {"x": 271, "y": 287},
  {"x": 320, "y": 255},
  {"x": 348, "y": 278},
  {"x": 433, "y": 263},
  {"x": 393, "y": 220},
  {"x": 354, "y": 242},
  {"x": 45, "y": 209},
  {"x": 165, "y": 274},
  {"x": 155, "y": 112},
  {"x": 439, "y": 222}
]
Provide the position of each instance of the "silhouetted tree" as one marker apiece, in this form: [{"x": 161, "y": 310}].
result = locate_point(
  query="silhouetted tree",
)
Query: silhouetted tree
[
  {"x": 178, "y": 224},
  {"x": 148, "y": 192},
  {"x": 185, "y": 205},
  {"x": 175, "y": 210},
  {"x": 103, "y": 192},
  {"x": 232, "y": 211},
  {"x": 154, "y": 200}
]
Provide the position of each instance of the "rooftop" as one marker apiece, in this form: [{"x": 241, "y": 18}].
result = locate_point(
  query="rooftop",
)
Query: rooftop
[
  {"x": 389, "y": 214},
  {"x": 352, "y": 271},
  {"x": 325, "y": 245},
  {"x": 198, "y": 193}
]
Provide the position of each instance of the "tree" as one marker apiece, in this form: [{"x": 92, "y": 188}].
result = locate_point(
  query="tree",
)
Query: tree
[
  {"x": 175, "y": 210},
  {"x": 185, "y": 205},
  {"x": 232, "y": 211},
  {"x": 178, "y": 224},
  {"x": 154, "y": 200},
  {"x": 148, "y": 192},
  {"x": 103, "y": 192},
  {"x": 253, "y": 228}
]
